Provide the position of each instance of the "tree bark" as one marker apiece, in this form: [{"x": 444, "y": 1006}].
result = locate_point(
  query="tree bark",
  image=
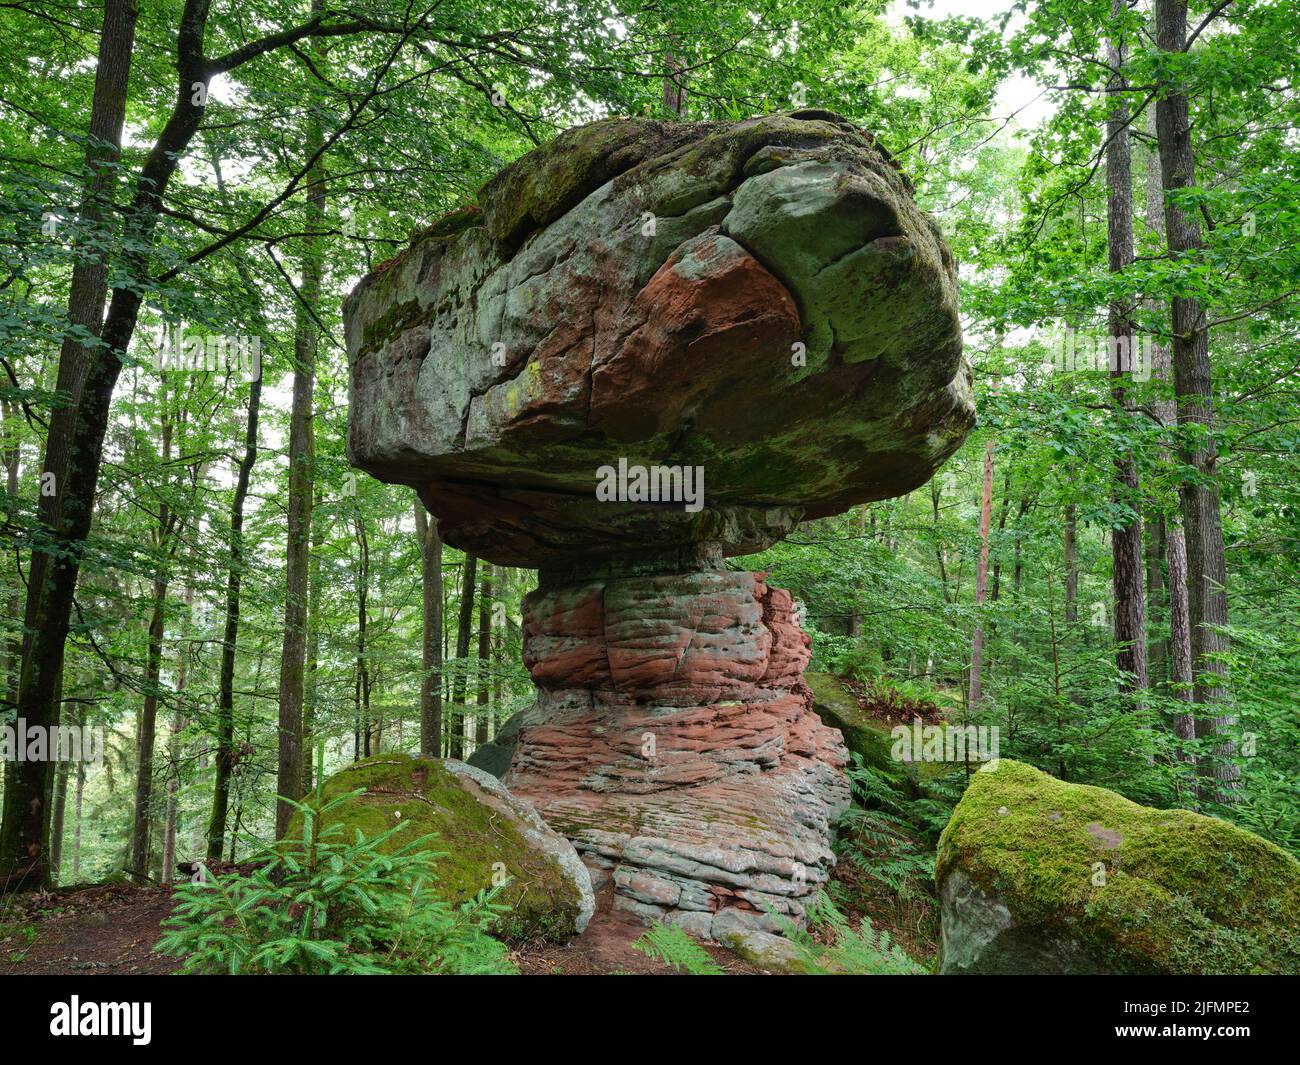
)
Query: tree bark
[
  {"x": 362, "y": 663},
  {"x": 148, "y": 722},
  {"x": 311, "y": 686},
  {"x": 981, "y": 580},
  {"x": 1126, "y": 542},
  {"x": 484, "y": 655},
  {"x": 456, "y": 749},
  {"x": 72, "y": 454},
  {"x": 302, "y": 450},
  {"x": 223, "y": 761},
  {"x": 431, "y": 637},
  {"x": 1207, "y": 580},
  {"x": 56, "y": 819},
  {"x": 1165, "y": 409},
  {"x": 76, "y": 828}
]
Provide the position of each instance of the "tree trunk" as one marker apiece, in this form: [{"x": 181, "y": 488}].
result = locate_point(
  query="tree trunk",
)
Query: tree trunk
[
  {"x": 981, "y": 580},
  {"x": 1179, "y": 667},
  {"x": 1126, "y": 542},
  {"x": 76, "y": 828},
  {"x": 1071, "y": 564},
  {"x": 456, "y": 749},
  {"x": 302, "y": 451},
  {"x": 139, "y": 861},
  {"x": 311, "y": 686},
  {"x": 431, "y": 637},
  {"x": 224, "y": 760},
  {"x": 72, "y": 454},
  {"x": 1207, "y": 579},
  {"x": 172, "y": 815},
  {"x": 56, "y": 819},
  {"x": 484, "y": 655},
  {"x": 362, "y": 665}
]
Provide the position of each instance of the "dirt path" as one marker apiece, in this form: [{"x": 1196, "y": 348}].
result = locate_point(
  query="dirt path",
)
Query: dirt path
[
  {"x": 112, "y": 930},
  {"x": 92, "y": 931}
]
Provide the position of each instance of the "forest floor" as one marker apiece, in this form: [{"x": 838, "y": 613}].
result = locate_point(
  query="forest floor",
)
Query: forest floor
[{"x": 111, "y": 930}]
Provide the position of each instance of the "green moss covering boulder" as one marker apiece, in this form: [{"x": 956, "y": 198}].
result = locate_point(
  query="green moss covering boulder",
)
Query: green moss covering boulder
[
  {"x": 1039, "y": 876},
  {"x": 863, "y": 734},
  {"x": 478, "y": 824}
]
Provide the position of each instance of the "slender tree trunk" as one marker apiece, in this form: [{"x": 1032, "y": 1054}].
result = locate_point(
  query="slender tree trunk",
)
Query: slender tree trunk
[
  {"x": 1017, "y": 567},
  {"x": 302, "y": 450},
  {"x": 223, "y": 762},
  {"x": 674, "y": 84},
  {"x": 76, "y": 828},
  {"x": 311, "y": 686},
  {"x": 363, "y": 667},
  {"x": 981, "y": 580},
  {"x": 484, "y": 655},
  {"x": 431, "y": 639},
  {"x": 56, "y": 819},
  {"x": 1207, "y": 579},
  {"x": 1175, "y": 548},
  {"x": 172, "y": 815},
  {"x": 153, "y": 672},
  {"x": 13, "y": 643},
  {"x": 460, "y": 711},
  {"x": 1126, "y": 542},
  {"x": 1071, "y": 564}
]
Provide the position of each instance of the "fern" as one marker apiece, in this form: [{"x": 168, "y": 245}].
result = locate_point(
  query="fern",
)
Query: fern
[
  {"x": 861, "y": 952},
  {"x": 672, "y": 946}
]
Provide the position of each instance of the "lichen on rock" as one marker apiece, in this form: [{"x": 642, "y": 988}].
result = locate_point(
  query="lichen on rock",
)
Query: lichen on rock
[
  {"x": 1040, "y": 876},
  {"x": 762, "y": 298}
]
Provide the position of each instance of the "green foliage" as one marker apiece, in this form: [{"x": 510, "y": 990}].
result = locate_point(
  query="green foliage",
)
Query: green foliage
[
  {"x": 331, "y": 907},
  {"x": 832, "y": 947},
  {"x": 669, "y": 944}
]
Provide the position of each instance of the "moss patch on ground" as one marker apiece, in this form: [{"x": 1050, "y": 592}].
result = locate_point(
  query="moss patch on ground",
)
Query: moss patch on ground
[
  {"x": 1167, "y": 891},
  {"x": 471, "y": 836}
]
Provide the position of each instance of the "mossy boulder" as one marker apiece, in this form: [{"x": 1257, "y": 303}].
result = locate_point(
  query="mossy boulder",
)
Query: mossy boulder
[
  {"x": 1039, "y": 876},
  {"x": 478, "y": 824}
]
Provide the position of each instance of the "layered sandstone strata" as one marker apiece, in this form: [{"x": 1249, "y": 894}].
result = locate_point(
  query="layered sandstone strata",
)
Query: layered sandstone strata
[{"x": 674, "y": 742}]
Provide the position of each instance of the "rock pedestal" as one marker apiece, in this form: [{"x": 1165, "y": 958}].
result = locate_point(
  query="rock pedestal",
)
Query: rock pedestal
[
  {"x": 754, "y": 325},
  {"x": 673, "y": 741}
]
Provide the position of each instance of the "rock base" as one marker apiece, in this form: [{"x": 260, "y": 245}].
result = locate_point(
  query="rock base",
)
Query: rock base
[{"x": 674, "y": 742}]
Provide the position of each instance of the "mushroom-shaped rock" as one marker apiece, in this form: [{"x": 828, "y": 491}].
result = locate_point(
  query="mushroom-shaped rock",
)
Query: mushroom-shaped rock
[{"x": 648, "y": 347}]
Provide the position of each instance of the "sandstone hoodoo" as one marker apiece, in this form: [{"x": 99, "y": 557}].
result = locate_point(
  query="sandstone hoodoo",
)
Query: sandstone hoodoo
[{"x": 651, "y": 346}]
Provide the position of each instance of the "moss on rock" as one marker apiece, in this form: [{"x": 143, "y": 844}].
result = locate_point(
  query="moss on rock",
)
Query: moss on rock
[
  {"x": 476, "y": 827},
  {"x": 1037, "y": 875},
  {"x": 863, "y": 734}
]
